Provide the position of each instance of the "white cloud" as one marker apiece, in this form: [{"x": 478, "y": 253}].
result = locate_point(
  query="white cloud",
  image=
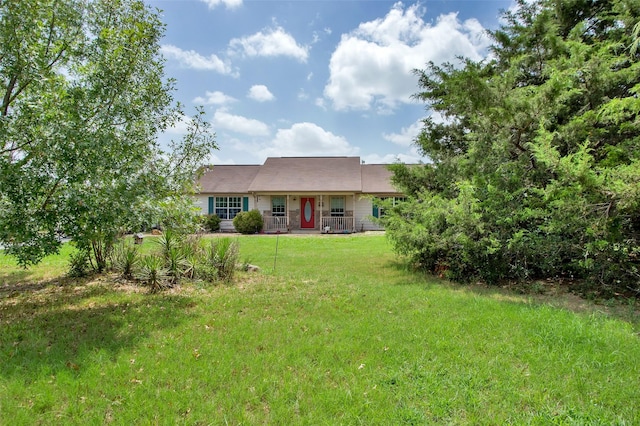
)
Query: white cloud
[
  {"x": 406, "y": 136},
  {"x": 302, "y": 95},
  {"x": 216, "y": 160},
  {"x": 194, "y": 60},
  {"x": 222, "y": 119},
  {"x": 307, "y": 139},
  {"x": 372, "y": 66},
  {"x": 270, "y": 42},
  {"x": 214, "y": 98},
  {"x": 260, "y": 93},
  {"x": 230, "y": 4},
  {"x": 410, "y": 158}
]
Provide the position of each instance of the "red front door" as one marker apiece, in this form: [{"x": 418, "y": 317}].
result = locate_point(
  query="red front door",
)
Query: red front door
[{"x": 307, "y": 213}]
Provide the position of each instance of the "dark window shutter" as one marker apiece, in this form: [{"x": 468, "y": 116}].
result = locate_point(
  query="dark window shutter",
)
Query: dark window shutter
[
  {"x": 375, "y": 211},
  {"x": 245, "y": 204},
  {"x": 210, "y": 205}
]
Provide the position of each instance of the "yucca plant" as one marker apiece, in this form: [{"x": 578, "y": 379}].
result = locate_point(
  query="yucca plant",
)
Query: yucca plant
[
  {"x": 193, "y": 251},
  {"x": 153, "y": 273},
  {"x": 174, "y": 263},
  {"x": 222, "y": 254},
  {"x": 169, "y": 240},
  {"x": 126, "y": 259}
]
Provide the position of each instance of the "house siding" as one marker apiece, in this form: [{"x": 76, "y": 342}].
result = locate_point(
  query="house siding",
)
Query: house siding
[{"x": 364, "y": 212}]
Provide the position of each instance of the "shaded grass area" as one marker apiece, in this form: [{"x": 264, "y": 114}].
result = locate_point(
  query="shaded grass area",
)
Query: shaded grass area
[
  {"x": 14, "y": 278},
  {"x": 338, "y": 333}
]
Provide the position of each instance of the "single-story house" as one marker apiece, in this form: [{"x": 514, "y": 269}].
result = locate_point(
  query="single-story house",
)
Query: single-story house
[{"x": 325, "y": 194}]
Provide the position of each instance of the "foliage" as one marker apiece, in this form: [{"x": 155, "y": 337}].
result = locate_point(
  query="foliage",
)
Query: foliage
[
  {"x": 168, "y": 241},
  {"x": 178, "y": 214},
  {"x": 78, "y": 264},
  {"x": 211, "y": 222},
  {"x": 250, "y": 222},
  {"x": 126, "y": 259},
  {"x": 83, "y": 99},
  {"x": 221, "y": 260},
  {"x": 153, "y": 273},
  {"x": 535, "y": 167}
]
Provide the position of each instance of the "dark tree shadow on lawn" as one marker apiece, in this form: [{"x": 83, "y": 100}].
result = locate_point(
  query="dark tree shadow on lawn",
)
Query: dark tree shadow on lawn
[
  {"x": 43, "y": 335},
  {"x": 552, "y": 293}
]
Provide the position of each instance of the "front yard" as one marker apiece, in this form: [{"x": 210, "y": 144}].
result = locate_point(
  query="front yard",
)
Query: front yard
[{"x": 339, "y": 333}]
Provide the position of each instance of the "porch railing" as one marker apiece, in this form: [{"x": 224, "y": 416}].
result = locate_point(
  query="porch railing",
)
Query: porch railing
[
  {"x": 276, "y": 224},
  {"x": 338, "y": 224}
]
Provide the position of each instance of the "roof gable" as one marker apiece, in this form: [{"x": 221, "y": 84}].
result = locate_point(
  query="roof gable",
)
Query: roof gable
[{"x": 308, "y": 174}]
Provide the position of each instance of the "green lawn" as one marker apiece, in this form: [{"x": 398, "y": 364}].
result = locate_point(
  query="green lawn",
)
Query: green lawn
[{"x": 338, "y": 333}]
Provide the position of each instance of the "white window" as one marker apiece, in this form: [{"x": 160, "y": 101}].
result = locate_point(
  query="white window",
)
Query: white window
[
  {"x": 337, "y": 206},
  {"x": 228, "y": 207},
  {"x": 394, "y": 202},
  {"x": 278, "y": 206}
]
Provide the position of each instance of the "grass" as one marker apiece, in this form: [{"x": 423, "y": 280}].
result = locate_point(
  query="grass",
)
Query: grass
[{"x": 338, "y": 333}]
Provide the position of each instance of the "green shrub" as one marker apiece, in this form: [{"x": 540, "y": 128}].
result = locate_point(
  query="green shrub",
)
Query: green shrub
[
  {"x": 220, "y": 261},
  {"x": 170, "y": 240},
  {"x": 211, "y": 222},
  {"x": 153, "y": 273},
  {"x": 126, "y": 259},
  {"x": 248, "y": 222},
  {"x": 78, "y": 264}
]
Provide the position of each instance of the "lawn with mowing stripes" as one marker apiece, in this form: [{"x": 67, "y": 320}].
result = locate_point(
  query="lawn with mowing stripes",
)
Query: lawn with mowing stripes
[{"x": 338, "y": 333}]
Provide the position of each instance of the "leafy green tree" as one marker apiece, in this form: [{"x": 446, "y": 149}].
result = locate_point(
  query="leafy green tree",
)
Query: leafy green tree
[
  {"x": 536, "y": 161},
  {"x": 84, "y": 97}
]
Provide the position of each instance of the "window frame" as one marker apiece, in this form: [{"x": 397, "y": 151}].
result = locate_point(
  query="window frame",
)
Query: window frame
[
  {"x": 279, "y": 210},
  {"x": 337, "y": 211},
  {"x": 227, "y": 207}
]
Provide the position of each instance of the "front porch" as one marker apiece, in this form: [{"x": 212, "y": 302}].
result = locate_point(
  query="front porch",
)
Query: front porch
[
  {"x": 309, "y": 213},
  {"x": 328, "y": 225}
]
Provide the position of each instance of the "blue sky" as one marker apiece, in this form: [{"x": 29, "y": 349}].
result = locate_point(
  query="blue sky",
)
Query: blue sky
[{"x": 312, "y": 77}]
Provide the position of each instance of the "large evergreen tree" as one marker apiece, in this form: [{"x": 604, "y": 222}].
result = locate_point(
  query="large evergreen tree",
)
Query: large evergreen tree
[{"x": 536, "y": 163}]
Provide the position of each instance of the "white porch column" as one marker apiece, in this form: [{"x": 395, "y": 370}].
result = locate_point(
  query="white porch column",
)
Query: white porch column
[
  {"x": 353, "y": 215},
  {"x": 321, "y": 207},
  {"x": 286, "y": 208}
]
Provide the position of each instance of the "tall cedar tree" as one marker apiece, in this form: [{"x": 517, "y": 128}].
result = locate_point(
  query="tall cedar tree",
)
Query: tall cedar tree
[{"x": 535, "y": 168}]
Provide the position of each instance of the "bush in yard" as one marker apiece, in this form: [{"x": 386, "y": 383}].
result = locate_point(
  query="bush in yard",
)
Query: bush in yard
[
  {"x": 248, "y": 222},
  {"x": 192, "y": 253},
  {"x": 211, "y": 222},
  {"x": 78, "y": 264},
  {"x": 219, "y": 261},
  {"x": 153, "y": 273},
  {"x": 126, "y": 259}
]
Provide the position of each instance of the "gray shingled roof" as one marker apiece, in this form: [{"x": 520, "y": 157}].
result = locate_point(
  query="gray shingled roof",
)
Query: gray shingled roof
[
  {"x": 376, "y": 179},
  {"x": 299, "y": 174},
  {"x": 303, "y": 174},
  {"x": 228, "y": 179}
]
